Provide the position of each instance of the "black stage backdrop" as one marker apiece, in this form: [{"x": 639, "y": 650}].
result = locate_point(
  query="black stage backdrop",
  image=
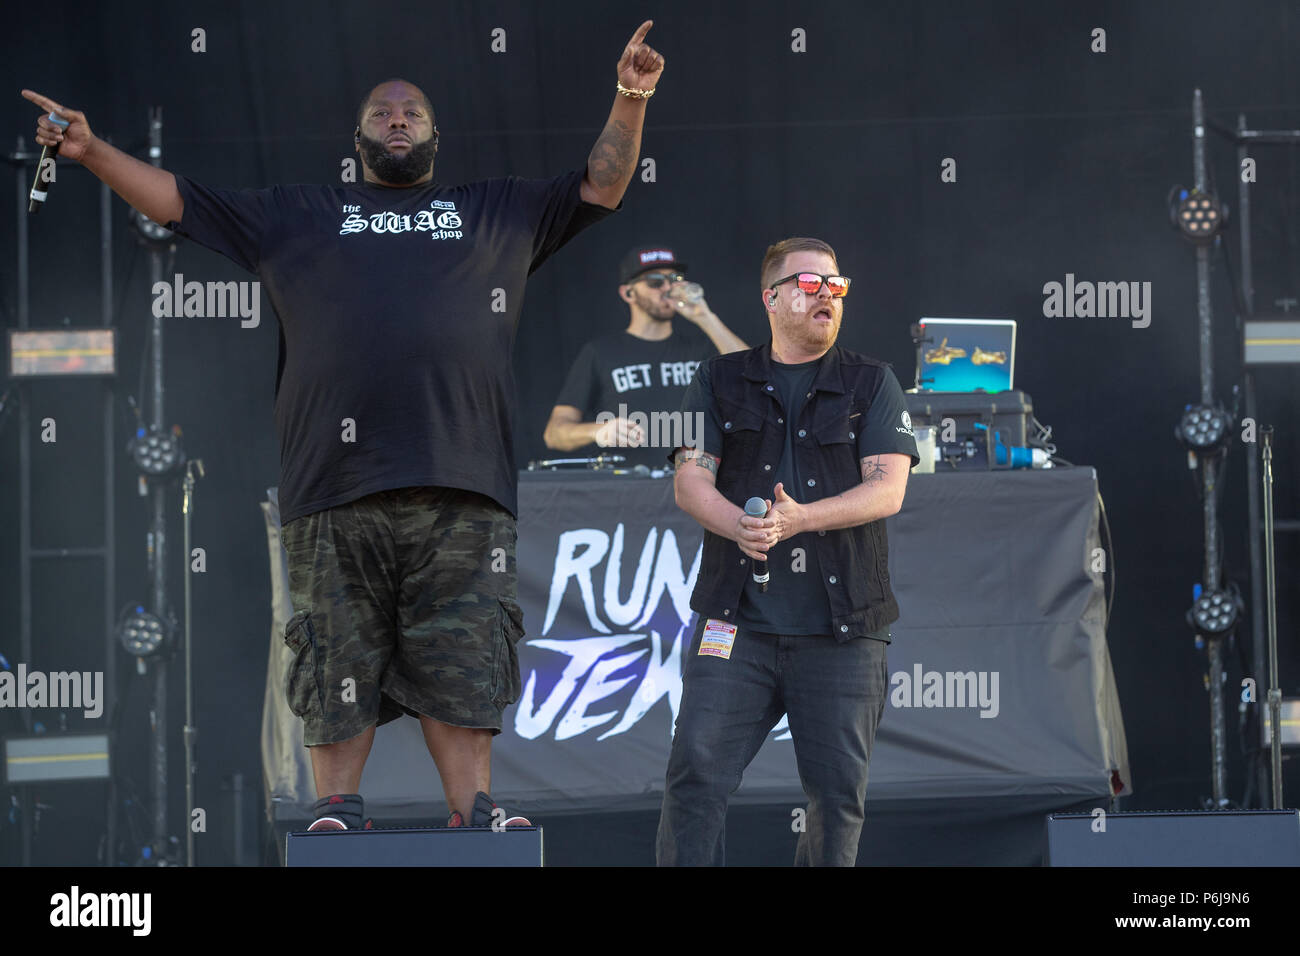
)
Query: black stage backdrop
[{"x": 1063, "y": 158}]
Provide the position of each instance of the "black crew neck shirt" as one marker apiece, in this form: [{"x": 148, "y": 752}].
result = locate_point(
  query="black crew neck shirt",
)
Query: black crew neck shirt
[
  {"x": 799, "y": 604},
  {"x": 622, "y": 375},
  {"x": 397, "y": 309}
]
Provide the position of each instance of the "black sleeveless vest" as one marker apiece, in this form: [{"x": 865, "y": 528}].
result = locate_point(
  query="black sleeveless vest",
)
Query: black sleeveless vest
[{"x": 854, "y": 561}]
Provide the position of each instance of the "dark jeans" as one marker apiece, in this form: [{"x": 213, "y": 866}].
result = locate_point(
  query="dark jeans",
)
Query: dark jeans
[{"x": 834, "y": 694}]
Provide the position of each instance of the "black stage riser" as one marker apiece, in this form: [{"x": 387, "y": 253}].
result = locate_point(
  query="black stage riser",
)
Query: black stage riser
[
  {"x": 1168, "y": 838},
  {"x": 444, "y": 846}
]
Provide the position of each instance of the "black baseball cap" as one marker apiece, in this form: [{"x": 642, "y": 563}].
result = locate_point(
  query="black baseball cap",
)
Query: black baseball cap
[{"x": 646, "y": 258}]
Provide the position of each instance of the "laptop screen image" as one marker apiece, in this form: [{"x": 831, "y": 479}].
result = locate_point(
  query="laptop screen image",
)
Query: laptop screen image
[{"x": 967, "y": 355}]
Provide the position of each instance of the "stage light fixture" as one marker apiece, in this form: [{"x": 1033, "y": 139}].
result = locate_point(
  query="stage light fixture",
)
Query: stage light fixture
[
  {"x": 1198, "y": 216},
  {"x": 156, "y": 452},
  {"x": 1203, "y": 429},
  {"x": 1214, "y": 613},
  {"x": 148, "y": 233},
  {"x": 142, "y": 634}
]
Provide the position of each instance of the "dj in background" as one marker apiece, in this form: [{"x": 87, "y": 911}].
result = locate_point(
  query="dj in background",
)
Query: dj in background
[{"x": 645, "y": 368}]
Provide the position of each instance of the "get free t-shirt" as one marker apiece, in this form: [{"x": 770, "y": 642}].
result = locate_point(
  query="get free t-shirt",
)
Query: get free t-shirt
[
  {"x": 624, "y": 375},
  {"x": 397, "y": 310}
]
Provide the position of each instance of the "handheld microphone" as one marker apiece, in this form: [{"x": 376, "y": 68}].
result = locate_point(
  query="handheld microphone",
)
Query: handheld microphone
[
  {"x": 757, "y": 508},
  {"x": 43, "y": 184}
]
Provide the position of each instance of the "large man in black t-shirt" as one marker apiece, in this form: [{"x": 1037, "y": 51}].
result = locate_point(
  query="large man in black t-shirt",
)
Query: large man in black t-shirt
[
  {"x": 822, "y": 437},
  {"x": 398, "y": 299},
  {"x": 624, "y": 391}
]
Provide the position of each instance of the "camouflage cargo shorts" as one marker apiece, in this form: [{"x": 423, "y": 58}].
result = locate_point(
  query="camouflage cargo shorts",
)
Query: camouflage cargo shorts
[{"x": 404, "y": 602}]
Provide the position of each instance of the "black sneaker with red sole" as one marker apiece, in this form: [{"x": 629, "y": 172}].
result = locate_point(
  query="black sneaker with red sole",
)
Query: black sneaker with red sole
[
  {"x": 487, "y": 814},
  {"x": 327, "y": 824}
]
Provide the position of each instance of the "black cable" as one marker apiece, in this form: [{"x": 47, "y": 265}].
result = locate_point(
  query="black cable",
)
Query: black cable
[
  {"x": 1238, "y": 294},
  {"x": 1042, "y": 439}
]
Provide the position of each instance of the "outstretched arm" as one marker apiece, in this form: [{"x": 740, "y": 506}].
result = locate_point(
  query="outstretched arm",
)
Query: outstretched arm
[
  {"x": 613, "y": 159},
  {"x": 147, "y": 188}
]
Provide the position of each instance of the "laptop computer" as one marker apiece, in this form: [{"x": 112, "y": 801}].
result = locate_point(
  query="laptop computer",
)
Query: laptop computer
[{"x": 966, "y": 355}]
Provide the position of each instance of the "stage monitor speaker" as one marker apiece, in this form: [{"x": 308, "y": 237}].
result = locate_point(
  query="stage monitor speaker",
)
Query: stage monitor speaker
[
  {"x": 440, "y": 846},
  {"x": 1175, "y": 838}
]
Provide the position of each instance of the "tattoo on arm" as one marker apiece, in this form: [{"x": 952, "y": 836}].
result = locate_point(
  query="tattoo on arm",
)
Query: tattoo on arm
[
  {"x": 612, "y": 158},
  {"x": 873, "y": 470},
  {"x": 701, "y": 458}
]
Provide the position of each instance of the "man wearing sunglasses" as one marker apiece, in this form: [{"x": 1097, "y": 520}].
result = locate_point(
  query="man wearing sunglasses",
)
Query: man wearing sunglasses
[
  {"x": 620, "y": 380},
  {"x": 822, "y": 436}
]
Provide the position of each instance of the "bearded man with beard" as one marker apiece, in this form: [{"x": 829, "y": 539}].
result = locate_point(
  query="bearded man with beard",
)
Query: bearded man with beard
[
  {"x": 621, "y": 380},
  {"x": 821, "y": 435},
  {"x": 397, "y": 298}
]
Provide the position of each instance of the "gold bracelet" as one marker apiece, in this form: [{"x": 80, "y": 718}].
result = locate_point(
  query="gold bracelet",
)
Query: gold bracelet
[{"x": 635, "y": 94}]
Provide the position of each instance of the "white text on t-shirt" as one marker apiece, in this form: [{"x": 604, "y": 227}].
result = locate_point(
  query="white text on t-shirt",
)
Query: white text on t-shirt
[{"x": 638, "y": 376}]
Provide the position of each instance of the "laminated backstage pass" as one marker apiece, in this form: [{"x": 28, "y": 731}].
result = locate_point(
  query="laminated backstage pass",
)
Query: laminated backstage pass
[{"x": 717, "y": 639}]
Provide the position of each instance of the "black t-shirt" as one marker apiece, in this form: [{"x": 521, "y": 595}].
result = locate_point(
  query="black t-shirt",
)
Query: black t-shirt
[
  {"x": 795, "y": 601},
  {"x": 799, "y": 605},
  {"x": 397, "y": 309},
  {"x": 621, "y": 375}
]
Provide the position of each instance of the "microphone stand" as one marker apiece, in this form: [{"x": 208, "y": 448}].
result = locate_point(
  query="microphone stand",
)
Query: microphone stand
[
  {"x": 1270, "y": 604},
  {"x": 191, "y": 731}
]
